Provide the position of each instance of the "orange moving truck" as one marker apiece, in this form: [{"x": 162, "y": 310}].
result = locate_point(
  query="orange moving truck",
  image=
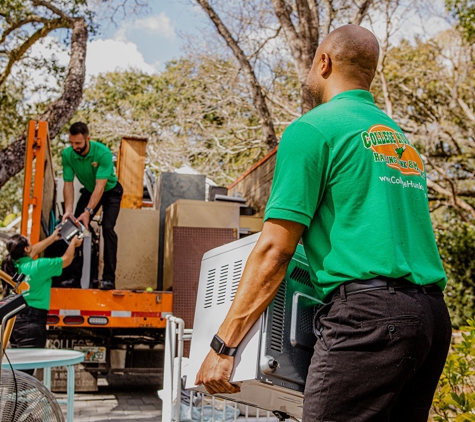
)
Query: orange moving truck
[{"x": 120, "y": 330}]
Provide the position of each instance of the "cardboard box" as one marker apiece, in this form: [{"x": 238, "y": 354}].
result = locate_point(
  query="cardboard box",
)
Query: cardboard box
[{"x": 251, "y": 223}]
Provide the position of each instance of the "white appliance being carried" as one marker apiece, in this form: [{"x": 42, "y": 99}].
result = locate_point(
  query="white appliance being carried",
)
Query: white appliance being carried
[{"x": 271, "y": 362}]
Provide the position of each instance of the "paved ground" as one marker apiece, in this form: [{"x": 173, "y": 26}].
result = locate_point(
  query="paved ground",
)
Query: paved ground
[{"x": 125, "y": 398}]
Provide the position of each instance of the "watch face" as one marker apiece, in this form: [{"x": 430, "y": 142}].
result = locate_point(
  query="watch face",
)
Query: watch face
[{"x": 217, "y": 344}]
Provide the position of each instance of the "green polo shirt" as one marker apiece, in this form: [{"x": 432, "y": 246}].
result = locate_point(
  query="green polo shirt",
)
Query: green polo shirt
[
  {"x": 38, "y": 274},
  {"x": 96, "y": 165},
  {"x": 348, "y": 173}
]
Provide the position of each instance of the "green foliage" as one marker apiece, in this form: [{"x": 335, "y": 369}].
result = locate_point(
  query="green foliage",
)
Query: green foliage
[
  {"x": 454, "y": 400},
  {"x": 464, "y": 12},
  {"x": 456, "y": 241},
  {"x": 197, "y": 112},
  {"x": 11, "y": 199}
]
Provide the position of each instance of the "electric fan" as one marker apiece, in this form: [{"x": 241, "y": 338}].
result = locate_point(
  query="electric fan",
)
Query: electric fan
[
  {"x": 22, "y": 397},
  {"x": 25, "y": 399}
]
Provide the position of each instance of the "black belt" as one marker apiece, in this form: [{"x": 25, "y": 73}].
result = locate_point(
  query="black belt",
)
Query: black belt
[
  {"x": 391, "y": 284},
  {"x": 30, "y": 311}
]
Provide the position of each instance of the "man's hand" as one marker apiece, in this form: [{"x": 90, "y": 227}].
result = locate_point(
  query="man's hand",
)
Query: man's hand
[
  {"x": 76, "y": 242},
  {"x": 68, "y": 214},
  {"x": 84, "y": 218},
  {"x": 215, "y": 372}
]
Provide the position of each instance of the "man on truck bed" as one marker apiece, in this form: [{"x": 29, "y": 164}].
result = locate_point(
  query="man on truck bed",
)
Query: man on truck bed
[
  {"x": 91, "y": 162},
  {"x": 350, "y": 183}
]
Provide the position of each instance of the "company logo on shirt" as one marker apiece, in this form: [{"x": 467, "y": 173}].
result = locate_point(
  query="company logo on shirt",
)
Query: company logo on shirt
[
  {"x": 94, "y": 164},
  {"x": 25, "y": 286},
  {"x": 394, "y": 149}
]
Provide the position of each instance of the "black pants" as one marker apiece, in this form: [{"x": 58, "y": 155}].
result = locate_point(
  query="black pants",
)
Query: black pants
[
  {"x": 378, "y": 357},
  {"x": 29, "y": 330},
  {"x": 110, "y": 203}
]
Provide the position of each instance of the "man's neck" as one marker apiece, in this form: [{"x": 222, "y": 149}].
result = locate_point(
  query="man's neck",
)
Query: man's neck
[{"x": 343, "y": 86}]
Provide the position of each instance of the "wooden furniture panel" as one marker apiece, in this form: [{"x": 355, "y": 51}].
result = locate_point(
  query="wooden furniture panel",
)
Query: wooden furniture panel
[{"x": 130, "y": 170}]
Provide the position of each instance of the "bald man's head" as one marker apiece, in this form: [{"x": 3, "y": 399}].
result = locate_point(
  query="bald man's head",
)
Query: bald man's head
[
  {"x": 346, "y": 59},
  {"x": 352, "y": 46}
]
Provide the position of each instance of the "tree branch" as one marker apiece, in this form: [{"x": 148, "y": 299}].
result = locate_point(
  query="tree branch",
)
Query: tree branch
[
  {"x": 270, "y": 138},
  {"x": 329, "y": 15},
  {"x": 361, "y": 12},
  {"x": 466, "y": 109},
  {"x": 291, "y": 35},
  {"x": 16, "y": 54},
  {"x": 59, "y": 112},
  {"x": 445, "y": 192},
  {"x": 54, "y": 9},
  {"x": 20, "y": 23},
  {"x": 303, "y": 43}
]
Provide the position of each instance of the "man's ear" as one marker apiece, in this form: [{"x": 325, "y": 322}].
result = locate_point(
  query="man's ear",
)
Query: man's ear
[{"x": 325, "y": 64}]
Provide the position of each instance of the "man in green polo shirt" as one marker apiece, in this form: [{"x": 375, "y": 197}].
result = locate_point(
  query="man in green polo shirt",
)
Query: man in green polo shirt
[
  {"x": 353, "y": 187},
  {"x": 91, "y": 162}
]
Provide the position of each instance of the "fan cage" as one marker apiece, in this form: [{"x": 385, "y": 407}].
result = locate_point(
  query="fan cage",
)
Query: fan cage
[{"x": 25, "y": 399}]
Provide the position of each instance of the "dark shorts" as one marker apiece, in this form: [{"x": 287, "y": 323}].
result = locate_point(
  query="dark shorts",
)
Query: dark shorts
[{"x": 378, "y": 356}]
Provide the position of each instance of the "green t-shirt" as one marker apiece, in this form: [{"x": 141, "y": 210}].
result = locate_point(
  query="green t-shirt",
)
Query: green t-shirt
[
  {"x": 96, "y": 165},
  {"x": 347, "y": 172},
  {"x": 38, "y": 274}
]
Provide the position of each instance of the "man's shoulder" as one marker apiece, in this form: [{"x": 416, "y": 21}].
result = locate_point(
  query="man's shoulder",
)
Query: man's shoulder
[
  {"x": 312, "y": 120},
  {"x": 67, "y": 151},
  {"x": 317, "y": 116},
  {"x": 100, "y": 147},
  {"x": 101, "y": 151}
]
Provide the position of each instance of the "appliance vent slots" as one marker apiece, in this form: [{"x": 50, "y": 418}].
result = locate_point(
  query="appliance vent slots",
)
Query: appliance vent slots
[
  {"x": 306, "y": 320},
  {"x": 277, "y": 329},
  {"x": 223, "y": 281},
  {"x": 301, "y": 276},
  {"x": 237, "y": 273},
  {"x": 209, "y": 288}
]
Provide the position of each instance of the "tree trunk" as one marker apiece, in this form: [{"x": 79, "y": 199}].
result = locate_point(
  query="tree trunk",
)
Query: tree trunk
[
  {"x": 12, "y": 158},
  {"x": 303, "y": 42},
  {"x": 258, "y": 98}
]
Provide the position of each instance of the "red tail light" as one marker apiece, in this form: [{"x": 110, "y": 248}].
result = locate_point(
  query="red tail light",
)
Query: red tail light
[
  {"x": 52, "y": 319},
  {"x": 73, "y": 320}
]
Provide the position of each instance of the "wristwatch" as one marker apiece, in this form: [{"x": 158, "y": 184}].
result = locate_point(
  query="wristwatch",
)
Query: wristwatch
[
  {"x": 220, "y": 347},
  {"x": 89, "y": 210}
]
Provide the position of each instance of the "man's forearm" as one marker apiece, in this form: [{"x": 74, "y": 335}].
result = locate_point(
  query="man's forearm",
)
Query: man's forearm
[
  {"x": 68, "y": 193},
  {"x": 265, "y": 269},
  {"x": 258, "y": 286},
  {"x": 264, "y": 272},
  {"x": 97, "y": 194}
]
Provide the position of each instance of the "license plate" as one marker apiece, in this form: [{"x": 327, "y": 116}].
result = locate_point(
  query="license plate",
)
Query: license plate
[{"x": 92, "y": 353}]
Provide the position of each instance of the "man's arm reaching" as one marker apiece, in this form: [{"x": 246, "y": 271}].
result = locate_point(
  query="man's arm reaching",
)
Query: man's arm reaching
[
  {"x": 264, "y": 271},
  {"x": 96, "y": 196}
]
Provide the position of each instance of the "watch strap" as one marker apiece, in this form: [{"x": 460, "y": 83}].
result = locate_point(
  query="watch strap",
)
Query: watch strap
[
  {"x": 219, "y": 346},
  {"x": 89, "y": 210}
]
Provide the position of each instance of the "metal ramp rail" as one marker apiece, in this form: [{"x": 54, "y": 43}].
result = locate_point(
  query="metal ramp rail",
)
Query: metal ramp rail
[{"x": 199, "y": 407}]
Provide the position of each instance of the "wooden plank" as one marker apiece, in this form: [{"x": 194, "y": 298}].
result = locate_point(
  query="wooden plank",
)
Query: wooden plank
[
  {"x": 27, "y": 184},
  {"x": 49, "y": 189},
  {"x": 137, "y": 254},
  {"x": 130, "y": 169},
  {"x": 255, "y": 184}
]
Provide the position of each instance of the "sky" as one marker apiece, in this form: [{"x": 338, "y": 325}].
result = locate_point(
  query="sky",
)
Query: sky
[
  {"x": 144, "y": 42},
  {"x": 148, "y": 41}
]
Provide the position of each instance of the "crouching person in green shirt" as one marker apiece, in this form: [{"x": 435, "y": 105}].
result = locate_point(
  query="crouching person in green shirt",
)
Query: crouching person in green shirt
[{"x": 30, "y": 326}]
